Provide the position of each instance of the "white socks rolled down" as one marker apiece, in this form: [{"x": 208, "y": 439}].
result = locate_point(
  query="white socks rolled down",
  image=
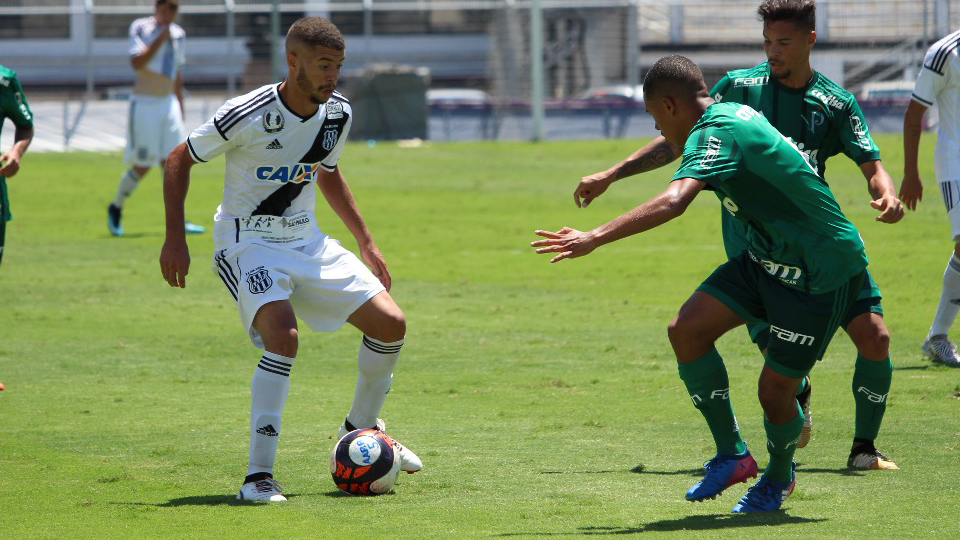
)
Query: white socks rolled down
[
  {"x": 268, "y": 395},
  {"x": 129, "y": 181},
  {"x": 949, "y": 298},
  {"x": 375, "y": 360}
]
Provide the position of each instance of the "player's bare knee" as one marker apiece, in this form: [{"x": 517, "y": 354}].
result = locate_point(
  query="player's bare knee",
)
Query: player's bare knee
[
  {"x": 392, "y": 328},
  {"x": 871, "y": 337},
  {"x": 776, "y": 402}
]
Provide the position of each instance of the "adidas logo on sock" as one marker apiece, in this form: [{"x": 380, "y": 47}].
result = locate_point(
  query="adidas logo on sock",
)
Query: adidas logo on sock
[
  {"x": 268, "y": 431},
  {"x": 275, "y": 145}
]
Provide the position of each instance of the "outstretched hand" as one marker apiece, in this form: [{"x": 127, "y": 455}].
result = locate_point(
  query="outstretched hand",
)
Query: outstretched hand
[
  {"x": 568, "y": 243},
  {"x": 591, "y": 187}
]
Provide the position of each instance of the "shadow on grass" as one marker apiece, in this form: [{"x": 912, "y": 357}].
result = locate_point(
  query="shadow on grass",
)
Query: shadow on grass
[
  {"x": 205, "y": 500},
  {"x": 689, "y": 523},
  {"x": 639, "y": 469}
]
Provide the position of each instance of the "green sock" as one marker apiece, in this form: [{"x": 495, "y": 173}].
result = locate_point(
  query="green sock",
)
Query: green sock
[
  {"x": 871, "y": 383},
  {"x": 782, "y": 444},
  {"x": 706, "y": 381},
  {"x": 803, "y": 386}
]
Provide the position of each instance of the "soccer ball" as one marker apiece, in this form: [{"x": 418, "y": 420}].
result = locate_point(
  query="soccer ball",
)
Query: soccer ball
[{"x": 363, "y": 463}]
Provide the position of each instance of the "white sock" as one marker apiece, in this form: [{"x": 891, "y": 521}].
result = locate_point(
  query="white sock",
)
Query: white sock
[
  {"x": 376, "y": 361},
  {"x": 949, "y": 299},
  {"x": 128, "y": 182},
  {"x": 268, "y": 395}
]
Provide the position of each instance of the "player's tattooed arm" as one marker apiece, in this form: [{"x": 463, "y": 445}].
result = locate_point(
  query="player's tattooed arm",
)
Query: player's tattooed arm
[{"x": 654, "y": 155}]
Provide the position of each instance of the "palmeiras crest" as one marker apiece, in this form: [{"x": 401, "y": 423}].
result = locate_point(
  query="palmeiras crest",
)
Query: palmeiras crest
[
  {"x": 259, "y": 280},
  {"x": 329, "y": 139},
  {"x": 273, "y": 121}
]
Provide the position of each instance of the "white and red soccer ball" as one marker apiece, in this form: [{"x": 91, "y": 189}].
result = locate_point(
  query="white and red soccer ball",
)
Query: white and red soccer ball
[{"x": 364, "y": 462}]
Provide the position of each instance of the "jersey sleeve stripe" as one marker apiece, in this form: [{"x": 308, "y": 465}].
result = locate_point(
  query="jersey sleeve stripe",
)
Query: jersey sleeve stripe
[
  {"x": 234, "y": 110},
  {"x": 232, "y": 117},
  {"x": 921, "y": 100},
  {"x": 242, "y": 112},
  {"x": 340, "y": 97},
  {"x": 193, "y": 153},
  {"x": 940, "y": 58}
]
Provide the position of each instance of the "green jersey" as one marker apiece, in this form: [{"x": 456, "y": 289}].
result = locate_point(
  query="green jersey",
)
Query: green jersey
[
  {"x": 13, "y": 104},
  {"x": 822, "y": 119},
  {"x": 794, "y": 227}
]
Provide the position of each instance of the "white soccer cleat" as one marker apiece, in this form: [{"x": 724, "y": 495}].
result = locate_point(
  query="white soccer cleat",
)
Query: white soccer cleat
[
  {"x": 266, "y": 490},
  {"x": 939, "y": 349},
  {"x": 409, "y": 462}
]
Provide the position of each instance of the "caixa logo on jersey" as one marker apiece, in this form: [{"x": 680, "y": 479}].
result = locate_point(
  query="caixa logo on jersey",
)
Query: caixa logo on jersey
[{"x": 301, "y": 172}]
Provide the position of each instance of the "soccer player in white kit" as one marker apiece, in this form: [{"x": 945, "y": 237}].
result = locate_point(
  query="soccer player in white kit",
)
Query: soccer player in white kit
[
  {"x": 282, "y": 142},
  {"x": 938, "y": 81},
  {"x": 155, "y": 121}
]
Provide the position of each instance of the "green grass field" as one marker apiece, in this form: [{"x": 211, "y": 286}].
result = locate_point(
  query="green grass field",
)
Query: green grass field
[{"x": 544, "y": 399}]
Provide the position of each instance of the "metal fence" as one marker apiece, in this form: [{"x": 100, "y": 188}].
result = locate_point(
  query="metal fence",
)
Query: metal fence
[{"x": 75, "y": 52}]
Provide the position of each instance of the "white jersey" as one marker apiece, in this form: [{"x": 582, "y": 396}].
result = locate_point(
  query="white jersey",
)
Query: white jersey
[
  {"x": 272, "y": 157},
  {"x": 171, "y": 56},
  {"x": 939, "y": 81}
]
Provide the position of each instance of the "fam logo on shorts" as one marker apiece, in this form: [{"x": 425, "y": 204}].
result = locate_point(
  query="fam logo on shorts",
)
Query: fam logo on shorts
[
  {"x": 273, "y": 121},
  {"x": 259, "y": 280}
]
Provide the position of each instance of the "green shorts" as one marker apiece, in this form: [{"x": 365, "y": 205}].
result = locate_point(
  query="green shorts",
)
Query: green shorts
[
  {"x": 801, "y": 325},
  {"x": 868, "y": 301}
]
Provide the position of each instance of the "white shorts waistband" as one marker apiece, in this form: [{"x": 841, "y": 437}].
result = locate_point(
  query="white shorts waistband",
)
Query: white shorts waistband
[{"x": 283, "y": 230}]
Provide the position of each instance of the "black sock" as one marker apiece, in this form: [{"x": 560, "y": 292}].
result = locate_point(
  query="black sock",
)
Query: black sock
[{"x": 257, "y": 476}]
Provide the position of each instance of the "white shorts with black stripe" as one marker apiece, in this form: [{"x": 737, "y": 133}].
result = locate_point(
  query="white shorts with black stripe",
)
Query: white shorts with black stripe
[
  {"x": 951, "y": 199},
  {"x": 154, "y": 128},
  {"x": 324, "y": 282}
]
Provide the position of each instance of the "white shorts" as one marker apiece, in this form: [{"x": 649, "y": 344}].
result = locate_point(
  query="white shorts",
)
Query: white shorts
[
  {"x": 324, "y": 282},
  {"x": 951, "y": 199},
  {"x": 154, "y": 128}
]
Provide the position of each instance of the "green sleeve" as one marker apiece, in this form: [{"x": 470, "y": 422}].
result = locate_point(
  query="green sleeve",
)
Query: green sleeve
[
  {"x": 721, "y": 88},
  {"x": 14, "y": 103},
  {"x": 858, "y": 145},
  {"x": 710, "y": 155}
]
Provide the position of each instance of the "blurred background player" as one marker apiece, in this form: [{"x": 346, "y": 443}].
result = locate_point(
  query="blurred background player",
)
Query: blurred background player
[
  {"x": 282, "y": 142},
  {"x": 938, "y": 82},
  {"x": 824, "y": 120},
  {"x": 13, "y": 105},
  {"x": 155, "y": 122},
  {"x": 801, "y": 271}
]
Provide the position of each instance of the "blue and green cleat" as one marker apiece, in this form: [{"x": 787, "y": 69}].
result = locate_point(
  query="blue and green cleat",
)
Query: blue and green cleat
[
  {"x": 723, "y": 471},
  {"x": 766, "y": 495}
]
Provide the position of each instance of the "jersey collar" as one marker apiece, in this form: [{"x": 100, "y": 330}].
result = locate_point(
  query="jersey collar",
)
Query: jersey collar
[{"x": 276, "y": 90}]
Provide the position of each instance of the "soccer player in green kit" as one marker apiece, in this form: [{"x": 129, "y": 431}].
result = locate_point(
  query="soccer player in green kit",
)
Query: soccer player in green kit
[
  {"x": 801, "y": 271},
  {"x": 13, "y": 105},
  {"x": 823, "y": 120}
]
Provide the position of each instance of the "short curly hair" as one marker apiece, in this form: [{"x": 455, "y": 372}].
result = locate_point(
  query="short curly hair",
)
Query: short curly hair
[
  {"x": 803, "y": 13},
  {"x": 316, "y": 31}
]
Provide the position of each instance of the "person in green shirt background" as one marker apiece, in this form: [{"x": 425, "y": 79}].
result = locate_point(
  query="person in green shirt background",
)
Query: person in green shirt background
[{"x": 13, "y": 105}]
